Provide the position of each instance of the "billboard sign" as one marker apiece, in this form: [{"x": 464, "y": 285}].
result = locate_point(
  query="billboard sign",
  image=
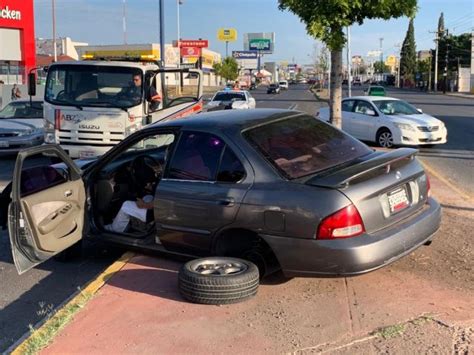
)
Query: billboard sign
[
  {"x": 245, "y": 54},
  {"x": 199, "y": 43},
  {"x": 190, "y": 51},
  {"x": 227, "y": 34},
  {"x": 256, "y": 39},
  {"x": 259, "y": 44}
]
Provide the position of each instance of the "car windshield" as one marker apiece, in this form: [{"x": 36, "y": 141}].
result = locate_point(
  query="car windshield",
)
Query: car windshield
[
  {"x": 22, "y": 110},
  {"x": 94, "y": 85},
  {"x": 395, "y": 107},
  {"x": 229, "y": 96},
  {"x": 302, "y": 145},
  {"x": 282, "y": 82}
]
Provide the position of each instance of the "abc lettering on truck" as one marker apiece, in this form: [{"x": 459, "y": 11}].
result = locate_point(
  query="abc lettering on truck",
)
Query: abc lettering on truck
[{"x": 93, "y": 104}]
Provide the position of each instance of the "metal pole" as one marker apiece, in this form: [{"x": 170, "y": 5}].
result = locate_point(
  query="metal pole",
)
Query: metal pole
[
  {"x": 226, "y": 48},
  {"x": 349, "y": 64},
  {"x": 162, "y": 33},
  {"x": 429, "y": 71},
  {"x": 436, "y": 63},
  {"x": 124, "y": 21},
  {"x": 381, "y": 52},
  {"x": 178, "y": 33},
  {"x": 55, "y": 51}
]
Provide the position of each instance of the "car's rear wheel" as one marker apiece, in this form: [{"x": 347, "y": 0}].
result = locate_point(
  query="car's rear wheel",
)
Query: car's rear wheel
[
  {"x": 218, "y": 280},
  {"x": 385, "y": 138}
]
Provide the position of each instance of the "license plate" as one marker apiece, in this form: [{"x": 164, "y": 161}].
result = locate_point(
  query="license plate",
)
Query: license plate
[
  {"x": 4, "y": 144},
  {"x": 398, "y": 200},
  {"x": 86, "y": 154}
]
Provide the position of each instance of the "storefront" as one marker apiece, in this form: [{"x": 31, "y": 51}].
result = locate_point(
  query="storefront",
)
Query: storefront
[{"x": 17, "y": 40}]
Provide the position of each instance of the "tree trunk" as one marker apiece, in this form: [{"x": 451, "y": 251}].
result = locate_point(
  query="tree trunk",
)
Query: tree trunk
[{"x": 335, "y": 94}]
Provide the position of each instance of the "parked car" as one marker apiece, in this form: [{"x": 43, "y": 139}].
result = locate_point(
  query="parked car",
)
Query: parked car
[
  {"x": 21, "y": 126},
  {"x": 273, "y": 89},
  {"x": 345, "y": 82},
  {"x": 231, "y": 99},
  {"x": 276, "y": 187},
  {"x": 375, "y": 90},
  {"x": 356, "y": 82},
  {"x": 283, "y": 84},
  {"x": 388, "y": 121}
]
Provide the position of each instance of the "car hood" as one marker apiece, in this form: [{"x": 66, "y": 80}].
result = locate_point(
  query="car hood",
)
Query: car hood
[
  {"x": 419, "y": 119},
  {"x": 20, "y": 124}
]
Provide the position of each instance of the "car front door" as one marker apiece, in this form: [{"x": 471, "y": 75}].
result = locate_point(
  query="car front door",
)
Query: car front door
[
  {"x": 201, "y": 192},
  {"x": 364, "y": 120},
  {"x": 46, "y": 214}
]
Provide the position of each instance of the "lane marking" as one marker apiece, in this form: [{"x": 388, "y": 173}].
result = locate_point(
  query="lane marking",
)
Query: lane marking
[
  {"x": 465, "y": 195},
  {"x": 292, "y": 107},
  {"x": 91, "y": 289}
]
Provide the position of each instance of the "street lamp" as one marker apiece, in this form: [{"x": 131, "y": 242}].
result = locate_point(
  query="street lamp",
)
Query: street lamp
[{"x": 178, "y": 32}]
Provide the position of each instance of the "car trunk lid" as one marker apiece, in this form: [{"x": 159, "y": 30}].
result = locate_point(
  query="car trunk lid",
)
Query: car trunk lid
[{"x": 385, "y": 187}]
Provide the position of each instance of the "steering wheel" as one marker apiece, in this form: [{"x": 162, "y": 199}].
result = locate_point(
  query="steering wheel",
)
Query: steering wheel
[
  {"x": 60, "y": 95},
  {"x": 137, "y": 166}
]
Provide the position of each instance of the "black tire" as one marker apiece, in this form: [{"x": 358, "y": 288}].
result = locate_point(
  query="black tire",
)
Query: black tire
[
  {"x": 199, "y": 280},
  {"x": 385, "y": 138}
]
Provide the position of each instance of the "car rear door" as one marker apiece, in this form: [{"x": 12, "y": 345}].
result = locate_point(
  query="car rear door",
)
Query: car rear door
[
  {"x": 347, "y": 115},
  {"x": 46, "y": 214},
  {"x": 201, "y": 192}
]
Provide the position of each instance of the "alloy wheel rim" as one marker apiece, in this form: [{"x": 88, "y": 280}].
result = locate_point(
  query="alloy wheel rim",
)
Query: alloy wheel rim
[
  {"x": 386, "y": 140},
  {"x": 220, "y": 268}
]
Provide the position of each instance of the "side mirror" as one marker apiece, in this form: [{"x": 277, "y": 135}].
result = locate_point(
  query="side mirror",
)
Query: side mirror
[
  {"x": 31, "y": 84},
  {"x": 370, "y": 112},
  {"x": 419, "y": 110}
]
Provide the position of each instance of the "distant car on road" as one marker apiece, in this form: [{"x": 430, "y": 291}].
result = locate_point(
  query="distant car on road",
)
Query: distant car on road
[
  {"x": 345, "y": 82},
  {"x": 21, "y": 126},
  {"x": 375, "y": 90},
  {"x": 273, "y": 89},
  {"x": 283, "y": 84},
  {"x": 388, "y": 122},
  {"x": 231, "y": 99},
  {"x": 357, "y": 82},
  {"x": 278, "y": 188}
]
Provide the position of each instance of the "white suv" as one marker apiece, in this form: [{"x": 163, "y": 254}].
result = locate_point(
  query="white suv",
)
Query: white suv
[{"x": 283, "y": 84}]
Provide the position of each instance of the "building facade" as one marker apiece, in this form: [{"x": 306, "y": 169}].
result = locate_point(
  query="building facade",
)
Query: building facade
[{"x": 17, "y": 40}]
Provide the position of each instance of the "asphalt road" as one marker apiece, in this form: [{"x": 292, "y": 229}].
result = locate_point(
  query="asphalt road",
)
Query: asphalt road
[{"x": 28, "y": 298}]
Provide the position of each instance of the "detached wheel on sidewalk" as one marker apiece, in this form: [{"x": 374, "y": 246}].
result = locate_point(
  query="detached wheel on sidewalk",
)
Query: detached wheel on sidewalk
[{"x": 218, "y": 280}]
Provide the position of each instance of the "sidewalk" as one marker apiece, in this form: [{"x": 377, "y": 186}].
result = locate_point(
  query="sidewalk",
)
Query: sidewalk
[{"x": 422, "y": 303}]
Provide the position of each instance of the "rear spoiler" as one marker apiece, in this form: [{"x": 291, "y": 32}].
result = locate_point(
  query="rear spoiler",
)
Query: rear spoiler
[{"x": 377, "y": 160}]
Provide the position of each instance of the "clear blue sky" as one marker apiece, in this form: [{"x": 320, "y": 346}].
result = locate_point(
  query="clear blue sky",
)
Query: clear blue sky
[{"x": 100, "y": 22}]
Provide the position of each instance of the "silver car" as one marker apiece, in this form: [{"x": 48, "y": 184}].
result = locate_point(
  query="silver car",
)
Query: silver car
[{"x": 21, "y": 126}]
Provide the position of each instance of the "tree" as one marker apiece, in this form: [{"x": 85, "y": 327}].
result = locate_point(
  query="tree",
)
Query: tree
[
  {"x": 380, "y": 67},
  {"x": 423, "y": 66},
  {"x": 327, "y": 19},
  {"x": 228, "y": 68},
  {"x": 441, "y": 24},
  {"x": 459, "y": 47},
  {"x": 408, "y": 54}
]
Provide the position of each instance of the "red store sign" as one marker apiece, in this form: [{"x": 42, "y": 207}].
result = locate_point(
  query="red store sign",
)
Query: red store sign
[
  {"x": 200, "y": 43},
  {"x": 190, "y": 51}
]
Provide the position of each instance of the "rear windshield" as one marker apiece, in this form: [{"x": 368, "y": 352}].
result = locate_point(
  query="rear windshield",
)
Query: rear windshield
[
  {"x": 22, "y": 109},
  {"x": 229, "y": 96},
  {"x": 302, "y": 145}
]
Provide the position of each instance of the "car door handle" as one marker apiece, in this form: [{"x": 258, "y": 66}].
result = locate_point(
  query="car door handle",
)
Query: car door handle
[{"x": 226, "y": 202}]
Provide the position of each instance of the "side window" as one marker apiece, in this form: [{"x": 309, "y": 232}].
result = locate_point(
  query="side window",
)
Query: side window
[
  {"x": 231, "y": 169},
  {"x": 37, "y": 175},
  {"x": 347, "y": 105},
  {"x": 363, "y": 108},
  {"x": 196, "y": 157}
]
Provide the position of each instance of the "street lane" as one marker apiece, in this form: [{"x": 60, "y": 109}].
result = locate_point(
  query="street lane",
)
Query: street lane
[{"x": 455, "y": 159}]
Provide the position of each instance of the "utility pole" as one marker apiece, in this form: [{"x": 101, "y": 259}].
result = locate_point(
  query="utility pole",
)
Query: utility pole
[
  {"x": 429, "y": 71},
  {"x": 349, "y": 79},
  {"x": 178, "y": 32},
  {"x": 124, "y": 21},
  {"x": 399, "y": 46},
  {"x": 162, "y": 33},
  {"x": 381, "y": 52},
  {"x": 446, "y": 62},
  {"x": 55, "y": 51},
  {"x": 436, "y": 63}
]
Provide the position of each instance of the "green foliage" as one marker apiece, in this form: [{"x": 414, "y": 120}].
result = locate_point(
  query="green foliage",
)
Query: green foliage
[
  {"x": 408, "y": 53},
  {"x": 423, "y": 66},
  {"x": 326, "y": 19},
  {"x": 380, "y": 67},
  {"x": 228, "y": 69},
  {"x": 459, "y": 47}
]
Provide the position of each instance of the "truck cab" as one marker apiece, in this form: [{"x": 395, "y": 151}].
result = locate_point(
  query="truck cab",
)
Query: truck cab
[{"x": 91, "y": 105}]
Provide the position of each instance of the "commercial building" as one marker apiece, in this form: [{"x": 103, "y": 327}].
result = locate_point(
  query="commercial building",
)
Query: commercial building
[
  {"x": 17, "y": 40},
  {"x": 65, "y": 46}
]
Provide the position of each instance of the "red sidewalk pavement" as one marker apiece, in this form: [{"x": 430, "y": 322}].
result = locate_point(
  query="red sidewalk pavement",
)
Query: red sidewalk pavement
[{"x": 140, "y": 311}]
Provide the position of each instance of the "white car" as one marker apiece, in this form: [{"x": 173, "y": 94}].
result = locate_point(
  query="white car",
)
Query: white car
[
  {"x": 21, "y": 126},
  {"x": 231, "y": 99},
  {"x": 388, "y": 121},
  {"x": 283, "y": 84}
]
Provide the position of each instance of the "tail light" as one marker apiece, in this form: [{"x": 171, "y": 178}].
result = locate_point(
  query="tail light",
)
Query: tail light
[{"x": 345, "y": 223}]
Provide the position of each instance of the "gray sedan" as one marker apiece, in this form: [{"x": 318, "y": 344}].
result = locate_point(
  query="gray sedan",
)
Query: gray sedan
[
  {"x": 276, "y": 187},
  {"x": 21, "y": 126}
]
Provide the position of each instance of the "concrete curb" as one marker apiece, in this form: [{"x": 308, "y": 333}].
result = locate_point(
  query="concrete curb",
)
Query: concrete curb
[{"x": 20, "y": 347}]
